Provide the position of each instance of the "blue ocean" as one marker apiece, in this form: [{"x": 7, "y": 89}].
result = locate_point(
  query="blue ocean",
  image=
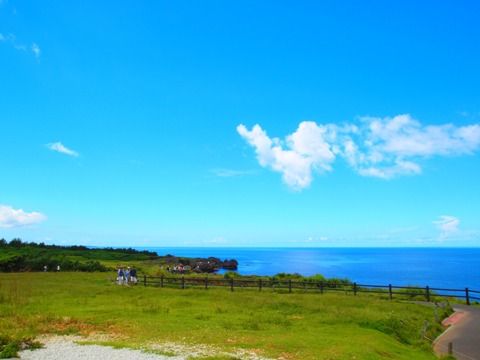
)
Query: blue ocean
[{"x": 436, "y": 267}]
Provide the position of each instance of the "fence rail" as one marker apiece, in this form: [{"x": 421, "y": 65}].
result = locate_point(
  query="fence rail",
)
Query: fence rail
[{"x": 318, "y": 286}]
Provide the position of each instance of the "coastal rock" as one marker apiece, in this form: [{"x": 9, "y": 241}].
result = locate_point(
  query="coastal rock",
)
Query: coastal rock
[
  {"x": 201, "y": 265},
  {"x": 231, "y": 264}
]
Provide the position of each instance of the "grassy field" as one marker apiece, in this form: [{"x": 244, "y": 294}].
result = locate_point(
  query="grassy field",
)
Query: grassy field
[{"x": 273, "y": 324}]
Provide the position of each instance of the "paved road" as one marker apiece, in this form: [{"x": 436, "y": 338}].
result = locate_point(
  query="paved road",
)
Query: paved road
[{"x": 464, "y": 334}]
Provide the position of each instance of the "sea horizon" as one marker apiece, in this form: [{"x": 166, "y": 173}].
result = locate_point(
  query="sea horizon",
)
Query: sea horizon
[{"x": 444, "y": 267}]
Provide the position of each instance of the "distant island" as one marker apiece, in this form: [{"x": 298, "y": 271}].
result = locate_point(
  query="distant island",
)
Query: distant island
[{"x": 19, "y": 256}]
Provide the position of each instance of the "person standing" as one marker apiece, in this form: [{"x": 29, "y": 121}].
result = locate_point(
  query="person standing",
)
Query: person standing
[
  {"x": 120, "y": 276},
  {"x": 127, "y": 275},
  {"x": 133, "y": 275}
]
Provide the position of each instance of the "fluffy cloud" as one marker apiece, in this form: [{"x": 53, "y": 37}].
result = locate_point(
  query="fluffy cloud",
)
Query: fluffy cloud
[
  {"x": 59, "y": 147},
  {"x": 10, "y": 217},
  {"x": 378, "y": 147},
  {"x": 447, "y": 225},
  {"x": 306, "y": 149}
]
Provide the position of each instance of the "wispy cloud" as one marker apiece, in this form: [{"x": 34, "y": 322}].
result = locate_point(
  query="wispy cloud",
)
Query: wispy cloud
[
  {"x": 218, "y": 240},
  {"x": 36, "y": 50},
  {"x": 231, "y": 172},
  {"x": 388, "y": 147},
  {"x": 10, "y": 217},
  {"x": 378, "y": 147},
  {"x": 448, "y": 225},
  {"x": 59, "y": 147},
  {"x": 12, "y": 40}
]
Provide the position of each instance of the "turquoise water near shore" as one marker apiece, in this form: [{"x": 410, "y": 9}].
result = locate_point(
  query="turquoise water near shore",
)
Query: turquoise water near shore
[{"x": 436, "y": 267}]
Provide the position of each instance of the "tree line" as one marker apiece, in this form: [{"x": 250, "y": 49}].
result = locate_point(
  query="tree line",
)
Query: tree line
[{"x": 17, "y": 255}]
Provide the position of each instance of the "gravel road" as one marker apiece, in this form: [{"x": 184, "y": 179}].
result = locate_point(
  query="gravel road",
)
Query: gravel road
[{"x": 64, "y": 348}]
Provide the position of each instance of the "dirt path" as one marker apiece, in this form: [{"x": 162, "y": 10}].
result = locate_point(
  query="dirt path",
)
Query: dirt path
[
  {"x": 61, "y": 348},
  {"x": 463, "y": 333},
  {"x": 68, "y": 347}
]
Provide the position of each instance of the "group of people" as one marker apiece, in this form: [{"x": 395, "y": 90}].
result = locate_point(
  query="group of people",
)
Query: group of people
[
  {"x": 179, "y": 269},
  {"x": 127, "y": 276},
  {"x": 45, "y": 268}
]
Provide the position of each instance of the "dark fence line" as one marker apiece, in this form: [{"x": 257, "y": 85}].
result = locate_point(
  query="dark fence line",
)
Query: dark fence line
[{"x": 319, "y": 286}]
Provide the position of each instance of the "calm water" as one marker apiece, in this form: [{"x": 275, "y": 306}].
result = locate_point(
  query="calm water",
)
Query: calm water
[{"x": 447, "y": 267}]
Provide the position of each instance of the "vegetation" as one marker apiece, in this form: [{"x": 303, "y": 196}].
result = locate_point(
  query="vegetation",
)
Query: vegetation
[
  {"x": 21, "y": 256},
  {"x": 18, "y": 256},
  {"x": 300, "y": 325},
  {"x": 9, "y": 347}
]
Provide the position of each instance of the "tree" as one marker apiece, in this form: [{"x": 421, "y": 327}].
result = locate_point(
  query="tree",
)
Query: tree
[{"x": 16, "y": 243}]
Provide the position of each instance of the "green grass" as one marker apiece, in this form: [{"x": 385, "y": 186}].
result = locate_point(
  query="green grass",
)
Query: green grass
[{"x": 276, "y": 324}]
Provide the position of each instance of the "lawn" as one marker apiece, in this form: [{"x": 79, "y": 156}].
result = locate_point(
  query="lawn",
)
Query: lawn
[{"x": 273, "y": 324}]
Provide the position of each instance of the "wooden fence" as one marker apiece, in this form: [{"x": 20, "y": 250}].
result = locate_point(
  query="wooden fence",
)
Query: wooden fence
[{"x": 427, "y": 293}]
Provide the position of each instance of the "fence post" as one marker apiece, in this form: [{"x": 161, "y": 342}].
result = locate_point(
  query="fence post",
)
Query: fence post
[
  {"x": 161, "y": 280},
  {"x": 450, "y": 348},
  {"x": 144, "y": 280},
  {"x": 427, "y": 293},
  {"x": 289, "y": 285},
  {"x": 390, "y": 294},
  {"x": 467, "y": 296},
  {"x": 231, "y": 284},
  {"x": 355, "y": 288},
  {"x": 206, "y": 282},
  {"x": 321, "y": 287},
  {"x": 183, "y": 282},
  {"x": 260, "y": 285}
]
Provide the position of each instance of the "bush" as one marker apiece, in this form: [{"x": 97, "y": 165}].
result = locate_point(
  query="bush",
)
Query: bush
[
  {"x": 231, "y": 275},
  {"x": 9, "y": 351},
  {"x": 18, "y": 263},
  {"x": 10, "y": 347},
  {"x": 287, "y": 276}
]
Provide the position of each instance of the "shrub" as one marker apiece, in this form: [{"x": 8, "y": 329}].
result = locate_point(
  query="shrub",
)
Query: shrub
[
  {"x": 10, "y": 347},
  {"x": 231, "y": 275}
]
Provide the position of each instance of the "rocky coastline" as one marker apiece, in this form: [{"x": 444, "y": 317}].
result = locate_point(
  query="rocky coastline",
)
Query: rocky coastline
[{"x": 199, "y": 265}]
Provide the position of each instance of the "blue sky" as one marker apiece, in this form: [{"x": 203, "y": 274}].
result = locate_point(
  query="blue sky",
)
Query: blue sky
[{"x": 213, "y": 123}]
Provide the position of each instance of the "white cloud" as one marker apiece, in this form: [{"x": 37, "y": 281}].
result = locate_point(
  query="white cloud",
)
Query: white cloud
[
  {"x": 36, "y": 50},
  {"x": 12, "y": 40},
  {"x": 378, "y": 147},
  {"x": 306, "y": 149},
  {"x": 388, "y": 147},
  {"x": 10, "y": 217},
  {"x": 400, "y": 167},
  {"x": 218, "y": 240},
  {"x": 447, "y": 225},
  {"x": 59, "y": 147}
]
